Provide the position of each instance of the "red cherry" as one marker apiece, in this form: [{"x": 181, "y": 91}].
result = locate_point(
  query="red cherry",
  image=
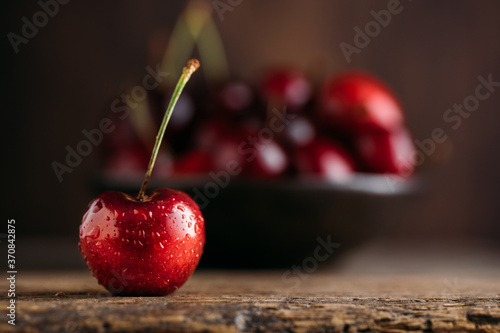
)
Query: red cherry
[
  {"x": 148, "y": 247},
  {"x": 149, "y": 244},
  {"x": 386, "y": 152},
  {"x": 324, "y": 159},
  {"x": 288, "y": 87},
  {"x": 355, "y": 101}
]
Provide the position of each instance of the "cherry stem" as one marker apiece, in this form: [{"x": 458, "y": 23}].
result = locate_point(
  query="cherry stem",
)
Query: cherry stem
[{"x": 192, "y": 66}]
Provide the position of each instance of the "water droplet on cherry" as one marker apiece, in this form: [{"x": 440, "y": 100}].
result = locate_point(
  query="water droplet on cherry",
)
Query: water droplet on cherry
[
  {"x": 159, "y": 246},
  {"x": 94, "y": 232},
  {"x": 97, "y": 207}
]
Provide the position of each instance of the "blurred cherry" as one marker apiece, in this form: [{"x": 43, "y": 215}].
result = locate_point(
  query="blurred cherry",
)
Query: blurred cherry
[
  {"x": 123, "y": 134},
  {"x": 220, "y": 138},
  {"x": 183, "y": 115},
  {"x": 207, "y": 135},
  {"x": 356, "y": 101},
  {"x": 386, "y": 152},
  {"x": 324, "y": 159},
  {"x": 235, "y": 97},
  {"x": 299, "y": 132},
  {"x": 226, "y": 151},
  {"x": 263, "y": 159},
  {"x": 286, "y": 87},
  {"x": 181, "y": 122},
  {"x": 132, "y": 160},
  {"x": 194, "y": 162}
]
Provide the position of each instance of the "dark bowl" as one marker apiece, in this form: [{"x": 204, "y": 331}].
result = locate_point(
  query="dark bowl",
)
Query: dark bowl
[{"x": 276, "y": 224}]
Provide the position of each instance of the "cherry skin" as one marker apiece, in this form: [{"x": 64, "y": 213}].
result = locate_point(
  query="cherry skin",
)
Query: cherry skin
[
  {"x": 287, "y": 87},
  {"x": 148, "y": 247},
  {"x": 356, "y": 101},
  {"x": 386, "y": 152},
  {"x": 324, "y": 159}
]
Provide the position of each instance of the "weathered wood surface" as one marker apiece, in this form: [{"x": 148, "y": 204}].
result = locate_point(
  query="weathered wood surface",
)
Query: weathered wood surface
[{"x": 221, "y": 301}]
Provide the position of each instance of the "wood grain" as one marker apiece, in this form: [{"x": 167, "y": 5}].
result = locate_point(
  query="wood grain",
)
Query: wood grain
[{"x": 224, "y": 301}]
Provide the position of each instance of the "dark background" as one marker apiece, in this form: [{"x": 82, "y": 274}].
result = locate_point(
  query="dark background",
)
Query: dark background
[{"x": 431, "y": 55}]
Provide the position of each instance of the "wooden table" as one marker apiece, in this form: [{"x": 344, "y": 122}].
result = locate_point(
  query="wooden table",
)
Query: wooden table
[{"x": 229, "y": 301}]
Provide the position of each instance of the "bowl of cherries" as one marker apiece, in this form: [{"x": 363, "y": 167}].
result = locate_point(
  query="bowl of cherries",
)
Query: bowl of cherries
[{"x": 276, "y": 167}]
